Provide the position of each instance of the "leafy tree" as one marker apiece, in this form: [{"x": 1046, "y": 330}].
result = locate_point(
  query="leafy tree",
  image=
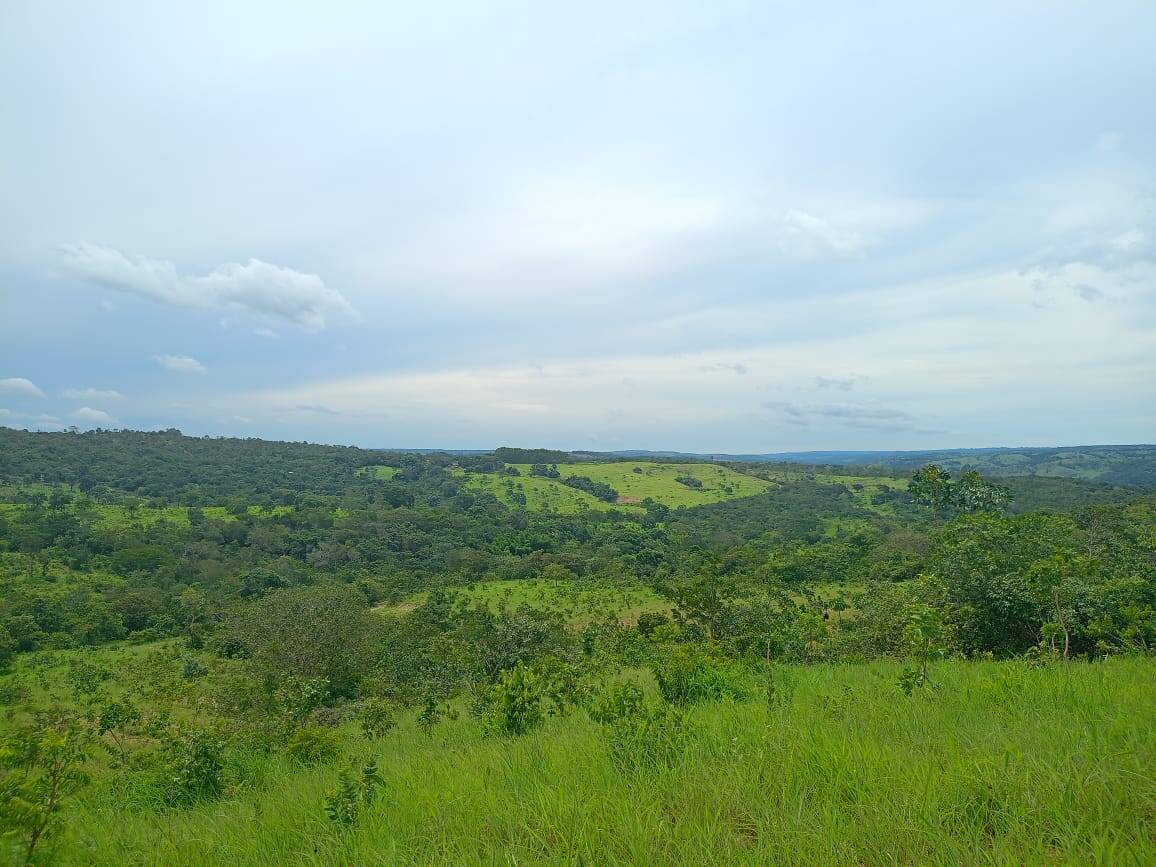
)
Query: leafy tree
[
  {"x": 309, "y": 633},
  {"x": 40, "y": 767}
]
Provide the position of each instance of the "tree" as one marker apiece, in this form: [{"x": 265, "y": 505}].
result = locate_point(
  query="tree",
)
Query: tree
[
  {"x": 40, "y": 767},
  {"x": 309, "y": 633}
]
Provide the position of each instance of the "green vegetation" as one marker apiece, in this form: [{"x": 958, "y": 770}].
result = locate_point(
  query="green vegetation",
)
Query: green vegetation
[
  {"x": 634, "y": 482},
  {"x": 410, "y": 659},
  {"x": 577, "y": 603}
]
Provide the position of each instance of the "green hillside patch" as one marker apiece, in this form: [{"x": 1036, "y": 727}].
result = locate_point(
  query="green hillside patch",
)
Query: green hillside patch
[
  {"x": 577, "y": 604},
  {"x": 672, "y": 485},
  {"x": 119, "y": 516},
  {"x": 379, "y": 472},
  {"x": 540, "y": 495}
]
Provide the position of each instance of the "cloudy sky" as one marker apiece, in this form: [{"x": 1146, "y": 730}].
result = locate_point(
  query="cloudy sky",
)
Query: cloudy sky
[{"x": 700, "y": 226}]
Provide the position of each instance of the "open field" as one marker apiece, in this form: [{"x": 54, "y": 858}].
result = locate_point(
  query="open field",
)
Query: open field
[
  {"x": 1000, "y": 763},
  {"x": 115, "y": 516},
  {"x": 657, "y": 481},
  {"x": 542, "y": 495}
]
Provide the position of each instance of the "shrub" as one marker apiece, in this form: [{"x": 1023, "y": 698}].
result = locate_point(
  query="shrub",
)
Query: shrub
[
  {"x": 194, "y": 767},
  {"x": 39, "y": 768},
  {"x": 344, "y": 804},
  {"x": 376, "y": 718},
  {"x": 193, "y": 668},
  {"x": 313, "y": 745},
  {"x": 650, "y": 620},
  {"x": 638, "y": 733},
  {"x": 689, "y": 673},
  {"x": 514, "y": 703}
]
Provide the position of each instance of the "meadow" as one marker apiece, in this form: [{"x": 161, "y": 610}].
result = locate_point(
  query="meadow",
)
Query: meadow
[
  {"x": 634, "y": 481},
  {"x": 998, "y": 763}
]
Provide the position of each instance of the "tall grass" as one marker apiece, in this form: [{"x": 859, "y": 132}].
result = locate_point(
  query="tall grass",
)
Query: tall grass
[{"x": 1000, "y": 763}]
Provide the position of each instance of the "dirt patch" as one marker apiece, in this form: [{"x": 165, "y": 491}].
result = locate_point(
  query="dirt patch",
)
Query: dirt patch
[{"x": 629, "y": 501}]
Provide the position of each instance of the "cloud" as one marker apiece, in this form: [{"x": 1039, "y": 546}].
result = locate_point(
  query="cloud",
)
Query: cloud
[
  {"x": 854, "y": 415},
  {"x": 97, "y": 416},
  {"x": 20, "y": 386},
  {"x": 732, "y": 367},
  {"x": 319, "y": 409},
  {"x": 180, "y": 363},
  {"x": 91, "y": 394},
  {"x": 256, "y": 286},
  {"x": 816, "y": 235},
  {"x": 37, "y": 421},
  {"x": 839, "y": 383},
  {"x": 267, "y": 333}
]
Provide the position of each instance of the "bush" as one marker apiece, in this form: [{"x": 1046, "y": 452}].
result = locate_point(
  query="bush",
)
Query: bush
[
  {"x": 513, "y": 706},
  {"x": 313, "y": 745},
  {"x": 193, "y": 668},
  {"x": 194, "y": 768},
  {"x": 344, "y": 804},
  {"x": 376, "y": 718},
  {"x": 689, "y": 673},
  {"x": 639, "y": 734},
  {"x": 651, "y": 620}
]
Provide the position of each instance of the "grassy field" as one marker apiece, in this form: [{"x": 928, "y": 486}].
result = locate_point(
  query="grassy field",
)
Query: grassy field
[
  {"x": 542, "y": 495},
  {"x": 578, "y": 604},
  {"x": 1000, "y": 763},
  {"x": 657, "y": 481},
  {"x": 114, "y": 516}
]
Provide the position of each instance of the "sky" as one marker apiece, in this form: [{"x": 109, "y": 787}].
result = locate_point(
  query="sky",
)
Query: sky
[{"x": 711, "y": 227}]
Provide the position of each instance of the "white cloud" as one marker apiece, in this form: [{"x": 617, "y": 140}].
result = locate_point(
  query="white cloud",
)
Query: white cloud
[
  {"x": 91, "y": 394},
  {"x": 20, "y": 386},
  {"x": 180, "y": 363},
  {"x": 35, "y": 421},
  {"x": 811, "y": 234},
  {"x": 256, "y": 286},
  {"x": 96, "y": 416}
]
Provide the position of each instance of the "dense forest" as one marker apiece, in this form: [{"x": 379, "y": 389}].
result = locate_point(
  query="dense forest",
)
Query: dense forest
[{"x": 190, "y": 621}]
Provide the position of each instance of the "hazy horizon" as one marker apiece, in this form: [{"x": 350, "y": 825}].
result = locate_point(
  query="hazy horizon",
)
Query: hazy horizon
[{"x": 739, "y": 228}]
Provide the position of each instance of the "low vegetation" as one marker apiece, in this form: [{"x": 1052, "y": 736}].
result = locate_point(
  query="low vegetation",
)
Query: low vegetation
[{"x": 413, "y": 666}]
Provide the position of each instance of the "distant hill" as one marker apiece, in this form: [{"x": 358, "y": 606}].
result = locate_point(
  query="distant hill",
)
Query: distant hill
[{"x": 1129, "y": 465}]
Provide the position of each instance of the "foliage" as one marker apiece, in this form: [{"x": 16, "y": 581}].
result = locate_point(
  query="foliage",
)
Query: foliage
[
  {"x": 690, "y": 673},
  {"x": 313, "y": 745},
  {"x": 309, "y": 633},
  {"x": 376, "y": 718},
  {"x": 40, "y": 767},
  {"x": 194, "y": 767},
  {"x": 345, "y": 803}
]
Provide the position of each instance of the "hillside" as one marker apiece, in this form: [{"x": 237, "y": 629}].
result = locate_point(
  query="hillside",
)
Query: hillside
[
  {"x": 634, "y": 481},
  {"x": 1123, "y": 465},
  {"x": 239, "y": 651}
]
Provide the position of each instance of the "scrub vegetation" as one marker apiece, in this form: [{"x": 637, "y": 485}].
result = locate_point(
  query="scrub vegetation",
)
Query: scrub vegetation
[{"x": 242, "y": 652}]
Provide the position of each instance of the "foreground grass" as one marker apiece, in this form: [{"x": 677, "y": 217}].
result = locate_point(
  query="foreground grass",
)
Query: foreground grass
[{"x": 999, "y": 764}]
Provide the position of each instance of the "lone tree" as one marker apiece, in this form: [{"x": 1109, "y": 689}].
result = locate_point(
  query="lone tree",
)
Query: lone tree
[{"x": 932, "y": 486}]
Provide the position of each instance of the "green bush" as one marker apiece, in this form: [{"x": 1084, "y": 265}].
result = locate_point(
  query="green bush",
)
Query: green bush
[
  {"x": 689, "y": 673},
  {"x": 638, "y": 733},
  {"x": 313, "y": 745},
  {"x": 193, "y": 768},
  {"x": 376, "y": 718}
]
